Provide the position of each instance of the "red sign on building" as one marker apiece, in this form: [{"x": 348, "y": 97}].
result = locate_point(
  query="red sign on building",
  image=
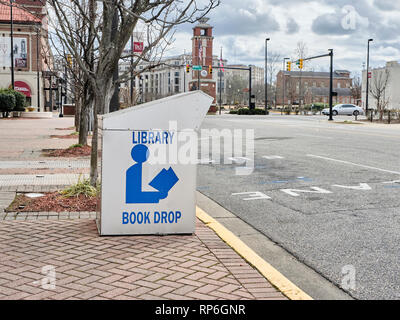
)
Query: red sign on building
[
  {"x": 138, "y": 47},
  {"x": 23, "y": 88}
]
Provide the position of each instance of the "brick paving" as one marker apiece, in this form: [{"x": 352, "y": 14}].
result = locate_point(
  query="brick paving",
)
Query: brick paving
[{"x": 88, "y": 266}]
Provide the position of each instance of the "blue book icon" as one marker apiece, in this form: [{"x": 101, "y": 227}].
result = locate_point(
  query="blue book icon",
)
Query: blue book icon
[{"x": 164, "y": 181}]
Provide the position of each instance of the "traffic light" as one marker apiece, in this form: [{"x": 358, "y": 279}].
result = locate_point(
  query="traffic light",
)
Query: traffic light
[
  {"x": 288, "y": 66},
  {"x": 301, "y": 64},
  {"x": 69, "y": 60},
  {"x": 187, "y": 68},
  {"x": 210, "y": 69}
]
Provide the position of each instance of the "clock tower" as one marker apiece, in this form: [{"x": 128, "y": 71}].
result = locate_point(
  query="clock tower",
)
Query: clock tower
[{"x": 202, "y": 55}]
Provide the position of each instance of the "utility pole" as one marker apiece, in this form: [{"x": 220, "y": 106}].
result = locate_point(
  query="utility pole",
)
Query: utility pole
[
  {"x": 367, "y": 92},
  {"x": 184, "y": 70},
  {"x": 331, "y": 85},
  {"x": 12, "y": 45},
  {"x": 220, "y": 84},
  {"x": 250, "y": 105},
  {"x": 266, "y": 78}
]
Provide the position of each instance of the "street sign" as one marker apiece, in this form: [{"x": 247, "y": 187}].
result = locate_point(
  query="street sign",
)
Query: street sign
[
  {"x": 147, "y": 184},
  {"x": 197, "y": 68},
  {"x": 138, "y": 46},
  {"x": 369, "y": 74}
]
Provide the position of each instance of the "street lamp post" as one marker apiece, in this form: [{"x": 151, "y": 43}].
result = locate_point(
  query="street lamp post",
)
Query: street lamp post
[
  {"x": 331, "y": 85},
  {"x": 266, "y": 78},
  {"x": 37, "y": 66},
  {"x": 12, "y": 44},
  {"x": 367, "y": 92},
  {"x": 283, "y": 83}
]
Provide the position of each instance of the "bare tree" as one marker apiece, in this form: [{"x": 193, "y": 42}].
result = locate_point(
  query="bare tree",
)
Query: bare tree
[
  {"x": 273, "y": 65},
  {"x": 110, "y": 24},
  {"x": 378, "y": 87},
  {"x": 301, "y": 52},
  {"x": 235, "y": 85},
  {"x": 356, "y": 89}
]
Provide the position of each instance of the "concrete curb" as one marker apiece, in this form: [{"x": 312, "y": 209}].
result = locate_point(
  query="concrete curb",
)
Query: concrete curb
[{"x": 284, "y": 285}]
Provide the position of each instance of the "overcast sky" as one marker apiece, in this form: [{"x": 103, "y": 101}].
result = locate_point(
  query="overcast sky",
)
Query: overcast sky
[{"x": 241, "y": 26}]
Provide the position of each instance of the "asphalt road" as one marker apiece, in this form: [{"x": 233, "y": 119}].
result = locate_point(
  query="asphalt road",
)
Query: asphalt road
[{"x": 343, "y": 217}]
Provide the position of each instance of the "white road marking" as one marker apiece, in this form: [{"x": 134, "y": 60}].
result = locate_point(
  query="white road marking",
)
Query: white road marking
[
  {"x": 393, "y": 181},
  {"x": 362, "y": 186},
  {"x": 272, "y": 157},
  {"x": 239, "y": 160},
  {"x": 354, "y": 164},
  {"x": 294, "y": 192},
  {"x": 255, "y": 195}
]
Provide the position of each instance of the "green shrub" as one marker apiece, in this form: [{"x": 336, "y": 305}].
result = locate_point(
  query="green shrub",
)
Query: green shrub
[
  {"x": 247, "y": 111},
  {"x": 233, "y": 112},
  {"x": 7, "y": 102},
  {"x": 20, "y": 101}
]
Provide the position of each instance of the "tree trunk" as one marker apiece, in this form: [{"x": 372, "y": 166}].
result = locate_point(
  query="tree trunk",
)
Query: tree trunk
[
  {"x": 84, "y": 123},
  {"x": 94, "y": 152},
  {"x": 78, "y": 106},
  {"x": 101, "y": 103},
  {"x": 87, "y": 102}
]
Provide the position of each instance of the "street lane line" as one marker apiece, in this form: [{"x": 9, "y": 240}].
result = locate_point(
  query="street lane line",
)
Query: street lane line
[
  {"x": 277, "y": 279},
  {"x": 272, "y": 157},
  {"x": 354, "y": 164}
]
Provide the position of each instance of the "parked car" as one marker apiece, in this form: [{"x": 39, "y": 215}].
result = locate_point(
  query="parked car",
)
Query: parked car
[{"x": 344, "y": 109}]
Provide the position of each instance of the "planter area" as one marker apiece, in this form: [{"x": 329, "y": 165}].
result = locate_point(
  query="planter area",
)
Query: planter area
[{"x": 35, "y": 114}]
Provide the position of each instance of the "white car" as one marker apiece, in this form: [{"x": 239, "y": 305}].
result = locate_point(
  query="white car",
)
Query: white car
[{"x": 344, "y": 109}]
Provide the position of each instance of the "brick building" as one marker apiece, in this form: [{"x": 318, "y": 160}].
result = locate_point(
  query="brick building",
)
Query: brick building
[
  {"x": 31, "y": 50},
  {"x": 311, "y": 87}
]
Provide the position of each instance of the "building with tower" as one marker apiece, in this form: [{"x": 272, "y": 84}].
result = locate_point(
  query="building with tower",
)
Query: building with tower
[
  {"x": 171, "y": 76},
  {"x": 202, "y": 56}
]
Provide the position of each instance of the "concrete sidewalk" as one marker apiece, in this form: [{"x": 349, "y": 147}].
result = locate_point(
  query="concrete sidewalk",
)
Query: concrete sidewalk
[{"x": 49, "y": 255}]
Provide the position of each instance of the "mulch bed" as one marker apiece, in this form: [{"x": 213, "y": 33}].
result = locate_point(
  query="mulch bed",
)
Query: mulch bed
[
  {"x": 52, "y": 202},
  {"x": 70, "y": 152}
]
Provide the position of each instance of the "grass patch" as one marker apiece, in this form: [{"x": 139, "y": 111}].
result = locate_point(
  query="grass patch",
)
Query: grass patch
[
  {"x": 349, "y": 122},
  {"x": 82, "y": 187},
  {"x": 76, "y": 145}
]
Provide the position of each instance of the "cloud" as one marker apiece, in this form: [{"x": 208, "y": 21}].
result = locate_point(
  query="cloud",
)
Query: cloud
[
  {"x": 344, "y": 21},
  {"x": 387, "y": 5},
  {"x": 242, "y": 21},
  {"x": 292, "y": 26}
]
